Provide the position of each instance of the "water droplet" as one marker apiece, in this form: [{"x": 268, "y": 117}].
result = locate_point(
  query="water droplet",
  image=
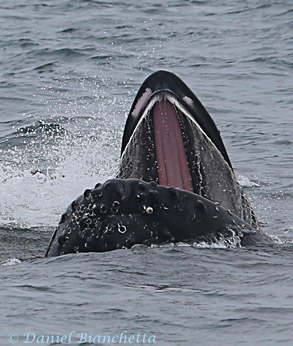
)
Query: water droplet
[
  {"x": 121, "y": 228},
  {"x": 115, "y": 207},
  {"x": 103, "y": 208},
  {"x": 149, "y": 210}
]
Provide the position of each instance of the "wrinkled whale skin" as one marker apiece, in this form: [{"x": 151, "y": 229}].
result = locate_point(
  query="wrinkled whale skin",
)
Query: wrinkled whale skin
[{"x": 123, "y": 212}]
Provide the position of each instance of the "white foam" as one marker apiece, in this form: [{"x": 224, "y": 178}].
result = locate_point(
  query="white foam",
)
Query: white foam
[
  {"x": 246, "y": 182},
  {"x": 31, "y": 199},
  {"x": 10, "y": 262}
]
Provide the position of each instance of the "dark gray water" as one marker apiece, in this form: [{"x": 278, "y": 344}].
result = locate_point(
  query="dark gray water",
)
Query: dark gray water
[{"x": 69, "y": 71}]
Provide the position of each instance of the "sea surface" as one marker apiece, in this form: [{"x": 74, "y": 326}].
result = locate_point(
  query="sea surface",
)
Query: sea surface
[{"x": 69, "y": 71}]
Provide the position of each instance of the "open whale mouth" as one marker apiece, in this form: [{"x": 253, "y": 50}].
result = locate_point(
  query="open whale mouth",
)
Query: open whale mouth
[
  {"x": 165, "y": 120},
  {"x": 170, "y": 138},
  {"x": 171, "y": 143}
]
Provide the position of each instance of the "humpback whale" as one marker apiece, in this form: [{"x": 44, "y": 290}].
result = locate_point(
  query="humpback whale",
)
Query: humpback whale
[{"x": 175, "y": 181}]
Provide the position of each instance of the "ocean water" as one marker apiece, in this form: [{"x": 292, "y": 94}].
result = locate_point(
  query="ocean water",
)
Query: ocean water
[{"x": 69, "y": 71}]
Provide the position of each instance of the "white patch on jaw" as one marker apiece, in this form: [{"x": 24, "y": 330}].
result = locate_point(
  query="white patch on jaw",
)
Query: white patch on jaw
[
  {"x": 188, "y": 100},
  {"x": 142, "y": 101}
]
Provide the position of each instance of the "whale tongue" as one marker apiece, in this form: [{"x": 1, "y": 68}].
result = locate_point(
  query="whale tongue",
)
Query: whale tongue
[{"x": 173, "y": 169}]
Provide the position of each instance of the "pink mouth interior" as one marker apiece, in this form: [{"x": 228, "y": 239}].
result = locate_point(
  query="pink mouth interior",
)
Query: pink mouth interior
[{"x": 173, "y": 168}]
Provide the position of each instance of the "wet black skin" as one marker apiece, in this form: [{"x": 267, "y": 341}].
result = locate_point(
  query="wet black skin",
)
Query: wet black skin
[
  {"x": 135, "y": 209},
  {"x": 124, "y": 212}
]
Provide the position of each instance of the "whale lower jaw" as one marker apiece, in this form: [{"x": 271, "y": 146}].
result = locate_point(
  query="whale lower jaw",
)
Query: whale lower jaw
[{"x": 121, "y": 213}]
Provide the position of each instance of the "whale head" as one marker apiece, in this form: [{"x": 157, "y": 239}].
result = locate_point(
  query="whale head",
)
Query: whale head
[{"x": 175, "y": 181}]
